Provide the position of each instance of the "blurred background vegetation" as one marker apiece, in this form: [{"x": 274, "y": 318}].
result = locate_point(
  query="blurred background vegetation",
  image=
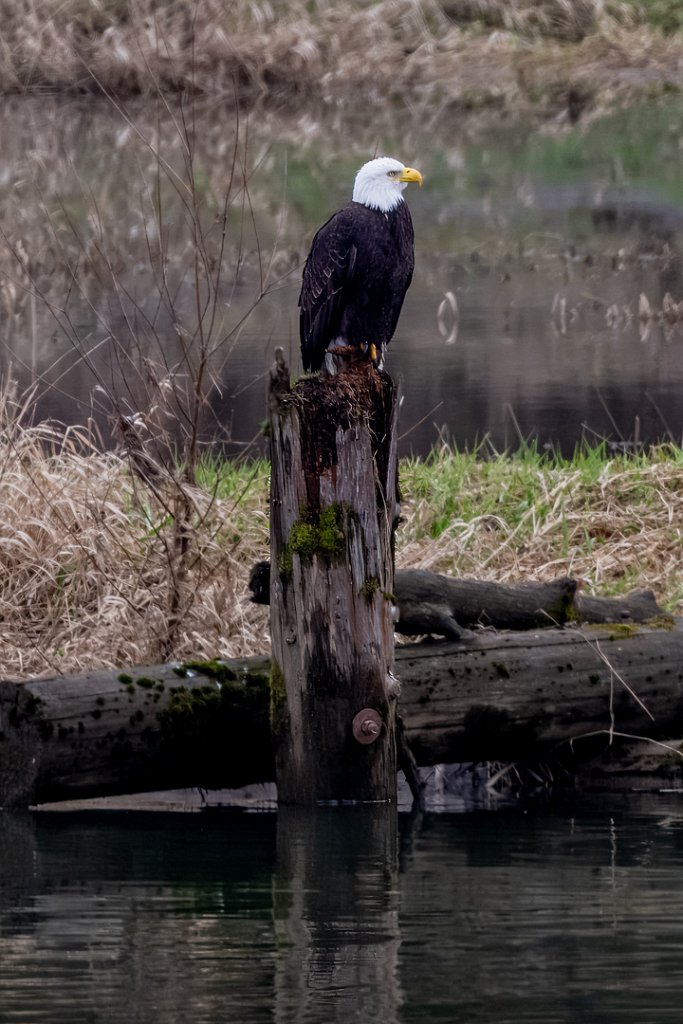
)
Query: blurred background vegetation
[{"x": 164, "y": 167}]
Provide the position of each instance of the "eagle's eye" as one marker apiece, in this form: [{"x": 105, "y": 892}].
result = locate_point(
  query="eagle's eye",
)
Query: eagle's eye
[{"x": 392, "y": 174}]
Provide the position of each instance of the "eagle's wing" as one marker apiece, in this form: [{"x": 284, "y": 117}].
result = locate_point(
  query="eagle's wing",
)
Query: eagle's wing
[
  {"x": 398, "y": 304},
  {"x": 328, "y": 273},
  {"x": 405, "y": 246}
]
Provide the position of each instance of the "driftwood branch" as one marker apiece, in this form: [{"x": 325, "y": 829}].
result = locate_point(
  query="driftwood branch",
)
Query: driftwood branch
[
  {"x": 430, "y": 603},
  {"x": 512, "y": 696}
]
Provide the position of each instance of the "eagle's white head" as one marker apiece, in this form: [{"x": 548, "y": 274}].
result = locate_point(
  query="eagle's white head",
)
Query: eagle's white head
[{"x": 380, "y": 183}]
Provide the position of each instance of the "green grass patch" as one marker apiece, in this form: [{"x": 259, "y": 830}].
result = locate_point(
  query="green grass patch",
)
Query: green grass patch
[
  {"x": 462, "y": 486},
  {"x": 666, "y": 15},
  {"x": 612, "y": 521}
]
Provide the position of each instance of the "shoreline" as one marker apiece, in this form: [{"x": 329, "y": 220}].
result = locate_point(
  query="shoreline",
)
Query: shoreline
[{"x": 547, "y": 61}]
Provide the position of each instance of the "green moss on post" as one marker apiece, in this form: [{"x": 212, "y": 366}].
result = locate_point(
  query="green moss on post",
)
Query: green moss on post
[
  {"x": 316, "y": 533},
  {"x": 279, "y": 717},
  {"x": 370, "y": 587}
]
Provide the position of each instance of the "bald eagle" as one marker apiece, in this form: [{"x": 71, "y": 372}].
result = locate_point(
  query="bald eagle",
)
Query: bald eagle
[{"x": 358, "y": 270}]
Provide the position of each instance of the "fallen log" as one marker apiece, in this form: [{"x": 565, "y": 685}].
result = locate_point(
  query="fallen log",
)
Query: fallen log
[
  {"x": 502, "y": 697},
  {"x": 107, "y": 732},
  {"x": 431, "y": 603}
]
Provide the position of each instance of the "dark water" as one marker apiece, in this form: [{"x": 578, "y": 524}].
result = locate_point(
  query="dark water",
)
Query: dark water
[
  {"x": 544, "y": 239},
  {"x": 506, "y": 918}
]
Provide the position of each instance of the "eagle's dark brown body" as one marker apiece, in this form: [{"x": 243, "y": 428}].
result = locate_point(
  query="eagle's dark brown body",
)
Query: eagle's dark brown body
[{"x": 354, "y": 281}]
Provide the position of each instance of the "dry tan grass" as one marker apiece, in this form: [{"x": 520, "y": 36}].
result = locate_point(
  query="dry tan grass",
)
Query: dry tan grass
[
  {"x": 95, "y": 572},
  {"x": 471, "y": 53},
  {"x": 571, "y": 20}
]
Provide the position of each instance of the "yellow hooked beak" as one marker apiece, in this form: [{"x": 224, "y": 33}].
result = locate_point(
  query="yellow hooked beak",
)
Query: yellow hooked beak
[{"x": 410, "y": 174}]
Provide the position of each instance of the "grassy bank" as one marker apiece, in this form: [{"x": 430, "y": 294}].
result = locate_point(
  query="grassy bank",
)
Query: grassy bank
[
  {"x": 102, "y": 567},
  {"x": 473, "y": 54}
]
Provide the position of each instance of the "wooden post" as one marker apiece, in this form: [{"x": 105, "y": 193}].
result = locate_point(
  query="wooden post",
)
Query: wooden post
[{"x": 334, "y": 482}]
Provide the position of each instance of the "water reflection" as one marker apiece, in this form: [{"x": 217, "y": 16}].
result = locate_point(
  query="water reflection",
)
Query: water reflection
[
  {"x": 136, "y": 919},
  {"x": 506, "y": 917},
  {"x": 337, "y": 921},
  {"x": 545, "y": 244}
]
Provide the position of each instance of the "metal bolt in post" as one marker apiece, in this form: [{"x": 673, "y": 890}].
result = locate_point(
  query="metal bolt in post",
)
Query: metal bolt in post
[{"x": 367, "y": 725}]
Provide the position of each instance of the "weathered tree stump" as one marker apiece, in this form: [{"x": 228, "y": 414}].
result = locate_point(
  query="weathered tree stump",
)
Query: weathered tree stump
[{"x": 334, "y": 481}]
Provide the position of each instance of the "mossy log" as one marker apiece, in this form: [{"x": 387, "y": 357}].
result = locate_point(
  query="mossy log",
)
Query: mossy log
[
  {"x": 333, "y": 513},
  {"x": 505, "y": 697},
  {"x": 163, "y": 726}
]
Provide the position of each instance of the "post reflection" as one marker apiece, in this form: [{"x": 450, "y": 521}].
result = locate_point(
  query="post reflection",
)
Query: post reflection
[{"x": 336, "y": 902}]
